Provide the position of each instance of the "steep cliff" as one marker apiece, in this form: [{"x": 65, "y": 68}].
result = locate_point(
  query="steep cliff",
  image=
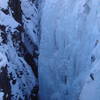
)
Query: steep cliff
[
  {"x": 69, "y": 50},
  {"x": 50, "y": 46}
]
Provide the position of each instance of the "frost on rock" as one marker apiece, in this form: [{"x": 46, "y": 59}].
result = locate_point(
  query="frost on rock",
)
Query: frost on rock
[
  {"x": 55, "y": 42},
  {"x": 17, "y": 78}
]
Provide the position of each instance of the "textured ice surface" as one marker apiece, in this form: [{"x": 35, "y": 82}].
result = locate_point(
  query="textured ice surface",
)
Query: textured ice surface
[{"x": 69, "y": 50}]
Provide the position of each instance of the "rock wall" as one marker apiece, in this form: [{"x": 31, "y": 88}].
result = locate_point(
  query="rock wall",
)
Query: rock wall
[{"x": 18, "y": 64}]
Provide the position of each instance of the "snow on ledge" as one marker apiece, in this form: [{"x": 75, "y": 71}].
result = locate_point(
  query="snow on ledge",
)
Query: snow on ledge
[
  {"x": 3, "y": 60},
  {"x": 7, "y": 20},
  {"x": 3, "y": 4}
]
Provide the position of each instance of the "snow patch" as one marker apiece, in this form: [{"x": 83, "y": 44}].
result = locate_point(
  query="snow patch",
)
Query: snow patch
[
  {"x": 7, "y": 20},
  {"x": 3, "y": 60},
  {"x": 4, "y": 4},
  {"x": 1, "y": 95}
]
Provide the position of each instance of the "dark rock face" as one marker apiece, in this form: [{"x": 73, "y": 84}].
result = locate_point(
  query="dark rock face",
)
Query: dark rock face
[
  {"x": 30, "y": 60},
  {"x": 5, "y": 83},
  {"x": 15, "y": 6}
]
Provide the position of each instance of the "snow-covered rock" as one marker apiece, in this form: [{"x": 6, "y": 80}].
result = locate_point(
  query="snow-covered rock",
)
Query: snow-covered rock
[
  {"x": 18, "y": 66},
  {"x": 65, "y": 34}
]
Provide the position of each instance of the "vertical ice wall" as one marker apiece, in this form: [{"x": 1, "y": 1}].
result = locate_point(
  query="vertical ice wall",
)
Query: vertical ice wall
[{"x": 69, "y": 50}]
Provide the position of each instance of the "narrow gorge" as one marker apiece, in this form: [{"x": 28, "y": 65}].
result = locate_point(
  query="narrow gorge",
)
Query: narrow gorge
[{"x": 49, "y": 49}]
